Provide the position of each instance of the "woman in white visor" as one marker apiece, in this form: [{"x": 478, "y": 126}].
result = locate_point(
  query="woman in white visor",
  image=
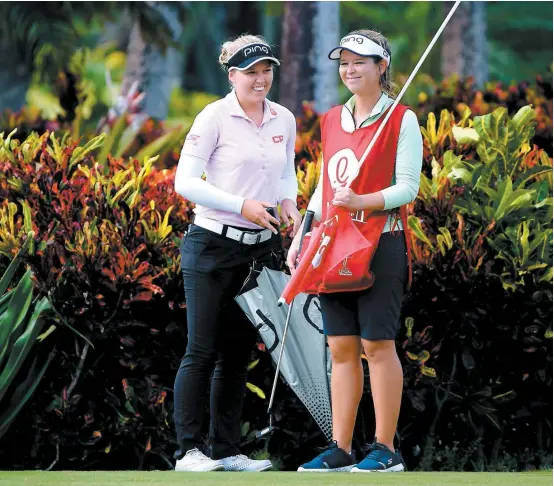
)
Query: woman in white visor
[
  {"x": 244, "y": 143},
  {"x": 376, "y": 192}
]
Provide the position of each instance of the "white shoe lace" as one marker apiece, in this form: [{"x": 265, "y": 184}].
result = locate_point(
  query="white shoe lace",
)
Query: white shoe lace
[{"x": 198, "y": 454}]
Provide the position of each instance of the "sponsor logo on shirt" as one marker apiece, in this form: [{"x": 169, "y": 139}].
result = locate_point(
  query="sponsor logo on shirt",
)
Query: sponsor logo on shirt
[
  {"x": 277, "y": 138},
  {"x": 192, "y": 138}
]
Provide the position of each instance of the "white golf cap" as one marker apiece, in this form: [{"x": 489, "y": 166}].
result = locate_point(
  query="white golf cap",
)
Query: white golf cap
[{"x": 361, "y": 45}]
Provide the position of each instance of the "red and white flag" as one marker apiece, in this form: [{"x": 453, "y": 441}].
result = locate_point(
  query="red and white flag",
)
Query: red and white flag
[{"x": 335, "y": 258}]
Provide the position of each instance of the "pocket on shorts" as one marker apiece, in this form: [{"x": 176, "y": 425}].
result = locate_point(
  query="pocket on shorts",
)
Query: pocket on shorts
[{"x": 391, "y": 259}]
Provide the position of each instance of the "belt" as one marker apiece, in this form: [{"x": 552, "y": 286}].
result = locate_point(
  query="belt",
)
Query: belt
[{"x": 244, "y": 237}]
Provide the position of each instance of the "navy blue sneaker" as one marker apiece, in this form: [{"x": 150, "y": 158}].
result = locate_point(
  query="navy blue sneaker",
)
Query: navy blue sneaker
[
  {"x": 332, "y": 459},
  {"x": 379, "y": 459}
]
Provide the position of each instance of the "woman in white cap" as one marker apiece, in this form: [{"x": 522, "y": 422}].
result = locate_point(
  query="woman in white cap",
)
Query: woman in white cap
[
  {"x": 367, "y": 320},
  {"x": 244, "y": 143}
]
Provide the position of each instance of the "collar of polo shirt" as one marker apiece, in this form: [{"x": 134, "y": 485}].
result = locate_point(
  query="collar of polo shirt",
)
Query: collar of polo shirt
[
  {"x": 362, "y": 46},
  {"x": 236, "y": 110}
]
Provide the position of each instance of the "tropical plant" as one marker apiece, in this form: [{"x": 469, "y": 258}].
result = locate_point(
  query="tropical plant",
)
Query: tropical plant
[
  {"x": 502, "y": 198},
  {"x": 22, "y": 320},
  {"x": 45, "y": 48},
  {"x": 477, "y": 322},
  {"x": 457, "y": 95},
  {"x": 475, "y": 346}
]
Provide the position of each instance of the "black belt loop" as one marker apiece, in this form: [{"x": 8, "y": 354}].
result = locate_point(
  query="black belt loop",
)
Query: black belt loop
[{"x": 224, "y": 231}]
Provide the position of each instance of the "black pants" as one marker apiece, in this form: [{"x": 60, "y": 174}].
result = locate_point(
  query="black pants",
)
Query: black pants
[
  {"x": 374, "y": 313},
  {"x": 220, "y": 338}
]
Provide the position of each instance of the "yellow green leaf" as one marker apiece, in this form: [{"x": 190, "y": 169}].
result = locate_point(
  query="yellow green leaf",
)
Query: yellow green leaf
[
  {"x": 466, "y": 136},
  {"x": 47, "y": 333},
  {"x": 423, "y": 356},
  {"x": 256, "y": 390},
  {"x": 253, "y": 364},
  {"x": 415, "y": 226},
  {"x": 425, "y": 370}
]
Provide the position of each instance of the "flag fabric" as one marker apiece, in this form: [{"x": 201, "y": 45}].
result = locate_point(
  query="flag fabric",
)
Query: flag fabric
[
  {"x": 336, "y": 258},
  {"x": 306, "y": 361}
]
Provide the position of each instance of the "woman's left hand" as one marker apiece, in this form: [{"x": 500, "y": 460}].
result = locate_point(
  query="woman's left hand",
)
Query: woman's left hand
[
  {"x": 288, "y": 212},
  {"x": 347, "y": 198}
]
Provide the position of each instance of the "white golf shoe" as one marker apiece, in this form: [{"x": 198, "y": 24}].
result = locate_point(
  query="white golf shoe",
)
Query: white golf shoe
[
  {"x": 196, "y": 461},
  {"x": 242, "y": 463}
]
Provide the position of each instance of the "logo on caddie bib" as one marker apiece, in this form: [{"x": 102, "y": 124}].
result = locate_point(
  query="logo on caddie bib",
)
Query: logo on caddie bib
[
  {"x": 343, "y": 168},
  {"x": 345, "y": 271}
]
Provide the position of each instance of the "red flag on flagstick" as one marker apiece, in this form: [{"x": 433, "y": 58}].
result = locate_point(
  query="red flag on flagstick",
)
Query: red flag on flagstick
[{"x": 336, "y": 258}]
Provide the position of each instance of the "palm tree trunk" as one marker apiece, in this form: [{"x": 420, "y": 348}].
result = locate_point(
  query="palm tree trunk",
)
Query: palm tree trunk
[
  {"x": 326, "y": 32},
  {"x": 297, "y": 70},
  {"x": 452, "y": 50},
  {"x": 475, "y": 37},
  {"x": 151, "y": 68},
  {"x": 464, "y": 47}
]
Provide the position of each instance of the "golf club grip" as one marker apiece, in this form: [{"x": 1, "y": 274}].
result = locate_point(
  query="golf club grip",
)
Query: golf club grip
[{"x": 306, "y": 227}]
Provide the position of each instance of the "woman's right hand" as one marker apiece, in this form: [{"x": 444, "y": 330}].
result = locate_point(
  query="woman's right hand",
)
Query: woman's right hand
[
  {"x": 256, "y": 212},
  {"x": 292, "y": 255}
]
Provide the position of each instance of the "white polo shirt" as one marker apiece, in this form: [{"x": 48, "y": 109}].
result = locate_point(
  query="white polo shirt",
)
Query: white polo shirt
[{"x": 242, "y": 159}]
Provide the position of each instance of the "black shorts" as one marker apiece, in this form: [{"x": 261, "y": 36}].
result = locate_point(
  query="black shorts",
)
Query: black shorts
[{"x": 374, "y": 313}]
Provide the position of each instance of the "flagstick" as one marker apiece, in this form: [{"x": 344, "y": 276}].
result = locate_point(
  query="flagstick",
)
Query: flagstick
[
  {"x": 365, "y": 154},
  {"x": 280, "y": 357},
  {"x": 405, "y": 87},
  {"x": 308, "y": 220}
]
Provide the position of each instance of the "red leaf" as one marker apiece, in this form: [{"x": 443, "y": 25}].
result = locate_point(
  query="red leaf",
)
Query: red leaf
[
  {"x": 147, "y": 284},
  {"x": 141, "y": 270},
  {"x": 108, "y": 273},
  {"x": 142, "y": 296}
]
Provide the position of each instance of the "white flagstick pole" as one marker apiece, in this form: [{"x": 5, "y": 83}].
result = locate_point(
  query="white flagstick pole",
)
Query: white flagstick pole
[{"x": 405, "y": 87}]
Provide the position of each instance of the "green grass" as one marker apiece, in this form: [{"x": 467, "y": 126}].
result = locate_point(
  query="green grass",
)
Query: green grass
[{"x": 169, "y": 478}]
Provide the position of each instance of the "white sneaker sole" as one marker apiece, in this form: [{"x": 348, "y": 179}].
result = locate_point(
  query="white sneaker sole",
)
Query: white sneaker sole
[
  {"x": 215, "y": 467},
  {"x": 397, "y": 468},
  {"x": 261, "y": 468},
  {"x": 337, "y": 469}
]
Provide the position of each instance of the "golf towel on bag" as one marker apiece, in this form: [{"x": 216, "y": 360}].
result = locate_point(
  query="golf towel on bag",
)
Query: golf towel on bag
[{"x": 306, "y": 361}]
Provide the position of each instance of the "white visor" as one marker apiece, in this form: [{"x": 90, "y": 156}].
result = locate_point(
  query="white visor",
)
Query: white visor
[{"x": 361, "y": 45}]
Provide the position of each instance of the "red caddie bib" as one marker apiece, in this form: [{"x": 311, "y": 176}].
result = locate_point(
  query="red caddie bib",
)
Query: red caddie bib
[{"x": 337, "y": 256}]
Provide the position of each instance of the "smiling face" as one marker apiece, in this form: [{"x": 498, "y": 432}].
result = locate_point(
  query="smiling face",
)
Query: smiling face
[
  {"x": 253, "y": 84},
  {"x": 360, "y": 74}
]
